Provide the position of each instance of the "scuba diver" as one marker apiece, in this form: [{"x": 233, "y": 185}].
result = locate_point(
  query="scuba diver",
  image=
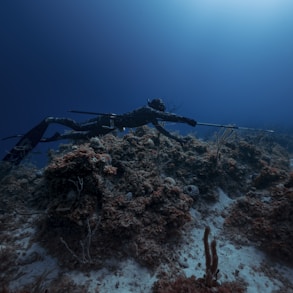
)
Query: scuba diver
[{"x": 153, "y": 112}]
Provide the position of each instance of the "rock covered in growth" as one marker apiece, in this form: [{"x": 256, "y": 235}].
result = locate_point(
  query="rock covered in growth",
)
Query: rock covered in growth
[
  {"x": 133, "y": 195},
  {"x": 266, "y": 218},
  {"x": 130, "y": 197},
  {"x": 88, "y": 196},
  {"x": 74, "y": 182}
]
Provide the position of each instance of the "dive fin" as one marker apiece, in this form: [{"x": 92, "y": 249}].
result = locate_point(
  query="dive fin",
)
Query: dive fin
[{"x": 26, "y": 144}]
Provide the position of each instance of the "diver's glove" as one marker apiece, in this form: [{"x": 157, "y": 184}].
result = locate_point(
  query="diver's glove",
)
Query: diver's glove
[{"x": 191, "y": 122}]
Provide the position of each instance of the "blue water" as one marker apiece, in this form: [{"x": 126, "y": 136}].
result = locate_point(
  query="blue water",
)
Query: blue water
[{"x": 216, "y": 61}]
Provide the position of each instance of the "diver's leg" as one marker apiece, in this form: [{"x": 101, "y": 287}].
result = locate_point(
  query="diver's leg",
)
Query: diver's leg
[
  {"x": 97, "y": 124},
  {"x": 64, "y": 121},
  {"x": 68, "y": 135},
  {"x": 34, "y": 136}
]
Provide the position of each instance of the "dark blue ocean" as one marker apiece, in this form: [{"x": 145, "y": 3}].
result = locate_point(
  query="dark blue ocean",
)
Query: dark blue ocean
[{"x": 228, "y": 62}]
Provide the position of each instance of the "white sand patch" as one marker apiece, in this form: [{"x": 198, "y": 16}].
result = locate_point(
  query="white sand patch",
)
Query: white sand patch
[
  {"x": 244, "y": 262},
  {"x": 33, "y": 262},
  {"x": 127, "y": 277}
]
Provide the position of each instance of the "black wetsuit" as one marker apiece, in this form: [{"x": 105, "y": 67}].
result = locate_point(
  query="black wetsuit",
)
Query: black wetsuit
[{"x": 100, "y": 125}]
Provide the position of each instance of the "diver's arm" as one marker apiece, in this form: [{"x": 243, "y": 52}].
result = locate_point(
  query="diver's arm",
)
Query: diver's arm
[
  {"x": 170, "y": 117},
  {"x": 66, "y": 122},
  {"x": 162, "y": 130},
  {"x": 145, "y": 115}
]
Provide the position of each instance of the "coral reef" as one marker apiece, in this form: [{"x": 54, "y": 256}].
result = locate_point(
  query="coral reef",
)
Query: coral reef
[
  {"x": 264, "y": 214},
  {"x": 88, "y": 196},
  {"x": 130, "y": 197}
]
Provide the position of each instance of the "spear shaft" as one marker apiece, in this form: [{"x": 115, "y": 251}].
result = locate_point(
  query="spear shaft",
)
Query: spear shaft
[{"x": 234, "y": 127}]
